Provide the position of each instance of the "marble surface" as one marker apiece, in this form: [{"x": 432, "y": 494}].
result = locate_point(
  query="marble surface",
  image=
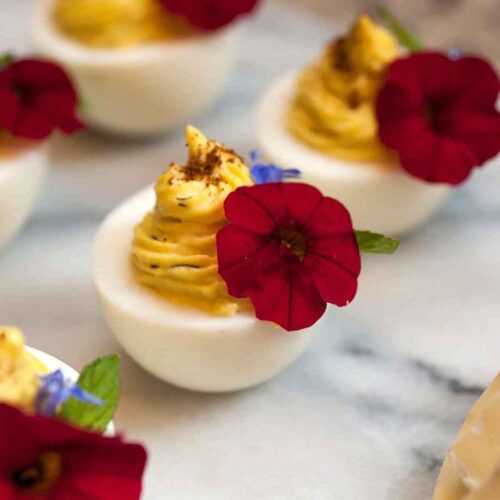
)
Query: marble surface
[{"x": 367, "y": 412}]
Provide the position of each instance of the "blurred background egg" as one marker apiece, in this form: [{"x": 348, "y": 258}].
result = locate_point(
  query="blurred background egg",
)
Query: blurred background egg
[
  {"x": 138, "y": 75},
  {"x": 22, "y": 170}
]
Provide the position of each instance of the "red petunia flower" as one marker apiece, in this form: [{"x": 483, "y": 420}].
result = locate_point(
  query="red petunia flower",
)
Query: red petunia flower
[
  {"x": 46, "y": 459},
  {"x": 439, "y": 114},
  {"x": 210, "y": 14},
  {"x": 290, "y": 250},
  {"x": 37, "y": 97}
]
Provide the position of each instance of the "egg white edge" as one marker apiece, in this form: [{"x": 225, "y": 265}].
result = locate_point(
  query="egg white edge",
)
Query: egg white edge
[
  {"x": 121, "y": 288},
  {"x": 53, "y": 364}
]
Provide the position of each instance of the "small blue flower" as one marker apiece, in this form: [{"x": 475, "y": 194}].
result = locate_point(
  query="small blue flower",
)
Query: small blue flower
[
  {"x": 455, "y": 54},
  {"x": 54, "y": 391},
  {"x": 265, "y": 173}
]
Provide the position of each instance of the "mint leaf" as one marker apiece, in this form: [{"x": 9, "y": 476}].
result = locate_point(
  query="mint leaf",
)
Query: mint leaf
[
  {"x": 405, "y": 37},
  {"x": 6, "y": 60},
  {"x": 83, "y": 105},
  {"x": 101, "y": 379},
  {"x": 376, "y": 243}
]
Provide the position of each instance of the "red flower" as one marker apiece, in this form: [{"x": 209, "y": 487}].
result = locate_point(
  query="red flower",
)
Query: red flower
[
  {"x": 439, "y": 114},
  {"x": 290, "y": 249},
  {"x": 210, "y": 14},
  {"x": 46, "y": 459},
  {"x": 37, "y": 97}
]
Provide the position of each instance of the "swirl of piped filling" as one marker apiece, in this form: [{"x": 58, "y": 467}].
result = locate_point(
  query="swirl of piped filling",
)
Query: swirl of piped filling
[
  {"x": 334, "y": 106},
  {"x": 174, "y": 249},
  {"x": 19, "y": 370},
  {"x": 118, "y": 23}
]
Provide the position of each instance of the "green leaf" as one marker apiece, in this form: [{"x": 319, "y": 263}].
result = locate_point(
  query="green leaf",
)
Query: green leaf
[
  {"x": 405, "y": 37},
  {"x": 101, "y": 379},
  {"x": 83, "y": 105},
  {"x": 6, "y": 59},
  {"x": 369, "y": 242}
]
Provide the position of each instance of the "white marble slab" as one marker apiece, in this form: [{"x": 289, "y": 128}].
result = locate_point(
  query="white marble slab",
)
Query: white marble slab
[{"x": 369, "y": 410}]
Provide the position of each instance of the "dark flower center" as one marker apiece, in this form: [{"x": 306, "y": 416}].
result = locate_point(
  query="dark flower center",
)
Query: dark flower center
[
  {"x": 292, "y": 239},
  {"x": 41, "y": 476},
  {"x": 24, "y": 93},
  {"x": 433, "y": 112}
]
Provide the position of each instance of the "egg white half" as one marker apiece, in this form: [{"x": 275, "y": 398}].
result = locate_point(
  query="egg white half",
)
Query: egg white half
[
  {"x": 381, "y": 198},
  {"x": 21, "y": 176},
  {"x": 180, "y": 344},
  {"x": 144, "y": 90}
]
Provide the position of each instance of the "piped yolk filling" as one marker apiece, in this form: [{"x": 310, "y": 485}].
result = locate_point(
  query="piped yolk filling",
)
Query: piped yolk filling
[
  {"x": 19, "y": 370},
  {"x": 118, "y": 23},
  {"x": 174, "y": 248},
  {"x": 334, "y": 106}
]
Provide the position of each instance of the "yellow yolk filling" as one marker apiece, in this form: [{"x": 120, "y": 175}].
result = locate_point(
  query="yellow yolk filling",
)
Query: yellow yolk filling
[
  {"x": 118, "y": 23},
  {"x": 19, "y": 370},
  {"x": 174, "y": 249},
  {"x": 334, "y": 107}
]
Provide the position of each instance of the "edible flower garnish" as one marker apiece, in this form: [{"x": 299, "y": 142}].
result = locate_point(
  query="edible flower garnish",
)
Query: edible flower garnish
[
  {"x": 210, "y": 14},
  {"x": 55, "y": 391},
  {"x": 291, "y": 250},
  {"x": 45, "y": 458},
  {"x": 36, "y": 97},
  {"x": 264, "y": 173},
  {"x": 438, "y": 112}
]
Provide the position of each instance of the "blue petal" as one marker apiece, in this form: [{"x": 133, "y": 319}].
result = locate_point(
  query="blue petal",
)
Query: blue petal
[
  {"x": 455, "y": 54},
  {"x": 51, "y": 394},
  {"x": 264, "y": 173},
  {"x": 255, "y": 154},
  {"x": 85, "y": 397},
  {"x": 56, "y": 376},
  {"x": 55, "y": 391}
]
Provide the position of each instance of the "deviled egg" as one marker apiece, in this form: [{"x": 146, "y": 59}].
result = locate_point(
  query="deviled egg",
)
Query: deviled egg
[
  {"x": 139, "y": 69},
  {"x": 322, "y": 121},
  {"x": 22, "y": 168},
  {"x": 156, "y": 273},
  {"x": 37, "y": 382}
]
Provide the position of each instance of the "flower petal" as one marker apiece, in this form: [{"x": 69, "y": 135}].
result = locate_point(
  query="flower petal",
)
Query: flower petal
[
  {"x": 242, "y": 257},
  {"x": 210, "y": 14},
  {"x": 21, "y": 452},
  {"x": 457, "y": 125},
  {"x": 286, "y": 287},
  {"x": 288, "y": 296},
  {"x": 479, "y": 83},
  {"x": 259, "y": 209},
  {"x": 479, "y": 129},
  {"x": 453, "y": 161},
  {"x": 41, "y": 76},
  {"x": 302, "y": 201},
  {"x": 333, "y": 258},
  {"x": 423, "y": 73},
  {"x": 31, "y": 124},
  {"x": 108, "y": 470},
  {"x": 36, "y": 97},
  {"x": 60, "y": 108},
  {"x": 9, "y": 109},
  {"x": 7, "y": 490},
  {"x": 395, "y": 102},
  {"x": 93, "y": 466}
]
